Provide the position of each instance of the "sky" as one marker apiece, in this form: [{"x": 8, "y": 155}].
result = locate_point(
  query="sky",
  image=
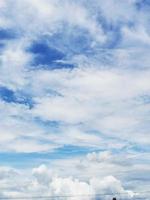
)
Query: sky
[{"x": 75, "y": 98}]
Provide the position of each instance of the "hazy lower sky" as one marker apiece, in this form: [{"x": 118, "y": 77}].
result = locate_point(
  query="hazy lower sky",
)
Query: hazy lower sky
[{"x": 74, "y": 97}]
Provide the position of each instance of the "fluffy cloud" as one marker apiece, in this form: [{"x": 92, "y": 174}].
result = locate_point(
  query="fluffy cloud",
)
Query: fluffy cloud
[{"x": 42, "y": 181}]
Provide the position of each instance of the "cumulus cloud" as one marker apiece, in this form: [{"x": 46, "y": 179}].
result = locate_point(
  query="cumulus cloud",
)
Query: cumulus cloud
[{"x": 42, "y": 181}]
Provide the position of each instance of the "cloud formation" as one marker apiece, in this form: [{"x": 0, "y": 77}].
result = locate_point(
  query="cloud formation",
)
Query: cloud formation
[
  {"x": 74, "y": 80},
  {"x": 42, "y": 181}
]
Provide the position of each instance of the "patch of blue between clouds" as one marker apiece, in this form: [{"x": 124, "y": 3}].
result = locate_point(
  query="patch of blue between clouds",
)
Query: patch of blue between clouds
[
  {"x": 56, "y": 51},
  {"x": 34, "y": 159},
  {"x": 7, "y": 34},
  {"x": 143, "y": 4},
  {"x": 10, "y": 96},
  {"x": 47, "y": 57},
  {"x": 67, "y": 151}
]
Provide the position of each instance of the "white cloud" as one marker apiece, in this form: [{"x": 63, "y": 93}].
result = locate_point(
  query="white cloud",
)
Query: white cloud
[
  {"x": 13, "y": 61},
  {"x": 116, "y": 11},
  {"x": 134, "y": 36},
  {"x": 103, "y": 100},
  {"x": 92, "y": 98},
  {"x": 42, "y": 181},
  {"x": 102, "y": 104},
  {"x": 48, "y": 17}
]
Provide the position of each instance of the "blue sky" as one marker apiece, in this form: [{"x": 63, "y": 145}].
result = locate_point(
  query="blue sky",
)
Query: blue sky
[{"x": 74, "y": 97}]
